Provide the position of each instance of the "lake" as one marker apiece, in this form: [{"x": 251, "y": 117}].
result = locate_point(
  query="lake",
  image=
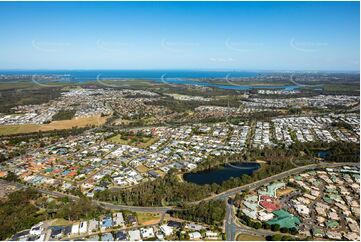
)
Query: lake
[
  {"x": 165, "y": 76},
  {"x": 221, "y": 173}
]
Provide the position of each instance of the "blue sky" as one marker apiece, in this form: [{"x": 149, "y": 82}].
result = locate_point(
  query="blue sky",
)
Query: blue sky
[{"x": 180, "y": 35}]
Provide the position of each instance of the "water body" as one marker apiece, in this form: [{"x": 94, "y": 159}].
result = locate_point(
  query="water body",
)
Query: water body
[
  {"x": 88, "y": 75},
  {"x": 221, "y": 173},
  {"x": 232, "y": 86},
  {"x": 165, "y": 76},
  {"x": 323, "y": 153}
]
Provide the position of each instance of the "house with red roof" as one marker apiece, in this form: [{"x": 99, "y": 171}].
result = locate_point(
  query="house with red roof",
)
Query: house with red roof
[{"x": 269, "y": 203}]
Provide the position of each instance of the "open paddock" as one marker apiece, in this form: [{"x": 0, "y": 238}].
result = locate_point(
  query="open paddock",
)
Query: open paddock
[{"x": 55, "y": 125}]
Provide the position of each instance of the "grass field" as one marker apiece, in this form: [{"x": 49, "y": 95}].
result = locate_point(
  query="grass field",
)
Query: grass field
[
  {"x": 140, "y": 142},
  {"x": 142, "y": 168},
  {"x": 247, "y": 237},
  {"x": 285, "y": 191},
  {"x": 29, "y": 84},
  {"x": 17, "y": 85},
  {"x": 121, "y": 122},
  {"x": 341, "y": 87},
  {"x": 180, "y": 177},
  {"x": 250, "y": 83},
  {"x": 60, "y": 222},
  {"x": 146, "y": 121},
  {"x": 161, "y": 173},
  {"x": 55, "y": 125},
  {"x": 148, "y": 218},
  {"x": 127, "y": 83}
]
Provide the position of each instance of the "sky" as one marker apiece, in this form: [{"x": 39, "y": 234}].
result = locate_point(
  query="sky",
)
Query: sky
[{"x": 180, "y": 35}]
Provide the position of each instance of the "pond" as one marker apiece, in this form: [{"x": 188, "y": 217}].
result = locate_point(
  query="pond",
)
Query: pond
[
  {"x": 323, "y": 153},
  {"x": 221, "y": 173}
]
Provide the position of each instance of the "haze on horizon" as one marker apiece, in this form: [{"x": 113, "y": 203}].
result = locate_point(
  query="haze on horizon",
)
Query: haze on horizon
[{"x": 180, "y": 35}]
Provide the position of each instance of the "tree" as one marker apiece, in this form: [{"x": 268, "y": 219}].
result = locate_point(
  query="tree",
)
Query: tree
[
  {"x": 83, "y": 208},
  {"x": 11, "y": 176},
  {"x": 238, "y": 199},
  {"x": 2, "y": 157},
  {"x": 275, "y": 227},
  {"x": 276, "y": 237},
  {"x": 286, "y": 238},
  {"x": 18, "y": 212},
  {"x": 293, "y": 231},
  {"x": 266, "y": 226},
  {"x": 211, "y": 212},
  {"x": 257, "y": 225}
]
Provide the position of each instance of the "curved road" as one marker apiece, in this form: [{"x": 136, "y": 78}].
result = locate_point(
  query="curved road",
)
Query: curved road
[
  {"x": 100, "y": 203},
  {"x": 221, "y": 196}
]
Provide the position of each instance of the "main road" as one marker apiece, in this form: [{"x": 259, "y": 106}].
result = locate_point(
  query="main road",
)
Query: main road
[
  {"x": 221, "y": 196},
  {"x": 106, "y": 205}
]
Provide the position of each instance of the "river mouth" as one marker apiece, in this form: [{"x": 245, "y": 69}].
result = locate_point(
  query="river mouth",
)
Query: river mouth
[{"x": 221, "y": 173}]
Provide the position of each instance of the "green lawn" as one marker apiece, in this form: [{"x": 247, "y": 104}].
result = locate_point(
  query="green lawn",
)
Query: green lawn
[
  {"x": 248, "y": 237},
  {"x": 148, "y": 218}
]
